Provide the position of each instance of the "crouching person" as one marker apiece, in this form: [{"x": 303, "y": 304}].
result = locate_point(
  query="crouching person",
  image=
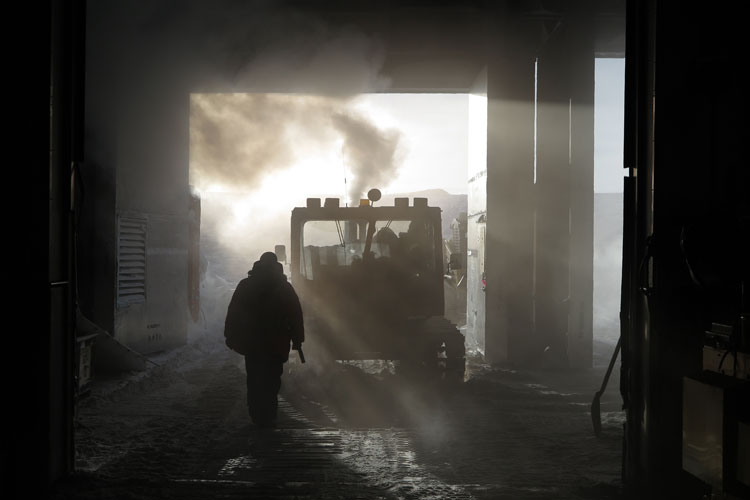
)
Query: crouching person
[{"x": 263, "y": 318}]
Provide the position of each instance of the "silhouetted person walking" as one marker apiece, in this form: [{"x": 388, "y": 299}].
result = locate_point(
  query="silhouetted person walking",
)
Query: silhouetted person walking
[{"x": 264, "y": 316}]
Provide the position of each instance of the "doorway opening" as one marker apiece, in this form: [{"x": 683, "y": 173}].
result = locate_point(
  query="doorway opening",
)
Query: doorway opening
[
  {"x": 254, "y": 157},
  {"x": 608, "y": 203}
]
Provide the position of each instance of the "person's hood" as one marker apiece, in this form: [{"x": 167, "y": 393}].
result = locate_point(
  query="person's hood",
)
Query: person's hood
[{"x": 265, "y": 269}]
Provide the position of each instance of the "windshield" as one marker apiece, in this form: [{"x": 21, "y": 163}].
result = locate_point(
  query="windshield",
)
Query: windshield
[{"x": 335, "y": 244}]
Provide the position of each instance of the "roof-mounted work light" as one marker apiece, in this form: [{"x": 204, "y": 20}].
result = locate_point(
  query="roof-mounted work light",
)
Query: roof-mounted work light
[{"x": 373, "y": 195}]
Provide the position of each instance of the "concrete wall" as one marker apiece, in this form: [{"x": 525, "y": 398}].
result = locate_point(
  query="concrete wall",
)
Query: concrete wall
[
  {"x": 152, "y": 183},
  {"x": 565, "y": 193},
  {"x": 137, "y": 166},
  {"x": 510, "y": 203},
  {"x": 540, "y": 192},
  {"x": 96, "y": 244}
]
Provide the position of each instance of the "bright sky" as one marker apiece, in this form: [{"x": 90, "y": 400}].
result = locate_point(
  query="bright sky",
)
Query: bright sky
[
  {"x": 609, "y": 96},
  {"x": 434, "y": 137}
]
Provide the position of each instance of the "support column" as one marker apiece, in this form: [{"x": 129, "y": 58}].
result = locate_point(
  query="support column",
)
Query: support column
[
  {"x": 581, "y": 303},
  {"x": 565, "y": 196},
  {"x": 552, "y": 228},
  {"x": 510, "y": 172}
]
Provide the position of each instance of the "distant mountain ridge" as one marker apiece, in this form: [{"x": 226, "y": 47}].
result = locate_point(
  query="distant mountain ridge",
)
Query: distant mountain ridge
[{"x": 451, "y": 204}]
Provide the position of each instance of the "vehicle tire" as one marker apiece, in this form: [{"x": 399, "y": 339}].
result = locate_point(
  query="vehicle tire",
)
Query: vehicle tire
[{"x": 447, "y": 351}]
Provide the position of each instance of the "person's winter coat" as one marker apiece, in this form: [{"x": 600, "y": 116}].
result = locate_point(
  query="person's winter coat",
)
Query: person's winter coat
[{"x": 264, "y": 315}]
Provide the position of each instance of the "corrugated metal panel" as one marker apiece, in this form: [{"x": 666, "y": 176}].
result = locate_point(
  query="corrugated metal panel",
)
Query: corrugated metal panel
[{"x": 131, "y": 261}]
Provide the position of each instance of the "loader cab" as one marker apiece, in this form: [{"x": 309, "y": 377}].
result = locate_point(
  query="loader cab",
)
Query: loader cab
[{"x": 363, "y": 271}]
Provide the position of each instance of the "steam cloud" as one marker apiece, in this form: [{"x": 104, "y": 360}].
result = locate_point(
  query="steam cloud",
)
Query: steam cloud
[{"x": 237, "y": 138}]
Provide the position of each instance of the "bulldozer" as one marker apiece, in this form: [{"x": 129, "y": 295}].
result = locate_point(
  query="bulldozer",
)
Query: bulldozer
[{"x": 370, "y": 280}]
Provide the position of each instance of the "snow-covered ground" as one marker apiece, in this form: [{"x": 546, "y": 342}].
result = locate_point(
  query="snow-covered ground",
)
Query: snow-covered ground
[
  {"x": 346, "y": 431},
  {"x": 353, "y": 431}
]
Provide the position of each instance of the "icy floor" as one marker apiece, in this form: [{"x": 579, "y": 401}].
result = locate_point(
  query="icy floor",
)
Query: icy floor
[{"x": 181, "y": 431}]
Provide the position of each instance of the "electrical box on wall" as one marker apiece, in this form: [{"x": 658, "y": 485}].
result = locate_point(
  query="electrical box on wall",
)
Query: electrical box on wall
[
  {"x": 715, "y": 418},
  {"x": 725, "y": 362}
]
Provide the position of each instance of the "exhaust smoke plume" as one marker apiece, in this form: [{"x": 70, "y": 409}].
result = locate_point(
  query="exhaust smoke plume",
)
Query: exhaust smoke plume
[{"x": 371, "y": 154}]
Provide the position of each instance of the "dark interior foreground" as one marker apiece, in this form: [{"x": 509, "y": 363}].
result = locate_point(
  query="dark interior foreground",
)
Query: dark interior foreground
[{"x": 517, "y": 427}]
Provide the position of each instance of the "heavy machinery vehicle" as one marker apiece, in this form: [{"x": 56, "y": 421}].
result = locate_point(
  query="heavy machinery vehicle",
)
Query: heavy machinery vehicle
[{"x": 370, "y": 280}]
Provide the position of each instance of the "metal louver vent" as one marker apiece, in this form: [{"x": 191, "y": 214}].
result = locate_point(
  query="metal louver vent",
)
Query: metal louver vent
[{"x": 131, "y": 261}]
